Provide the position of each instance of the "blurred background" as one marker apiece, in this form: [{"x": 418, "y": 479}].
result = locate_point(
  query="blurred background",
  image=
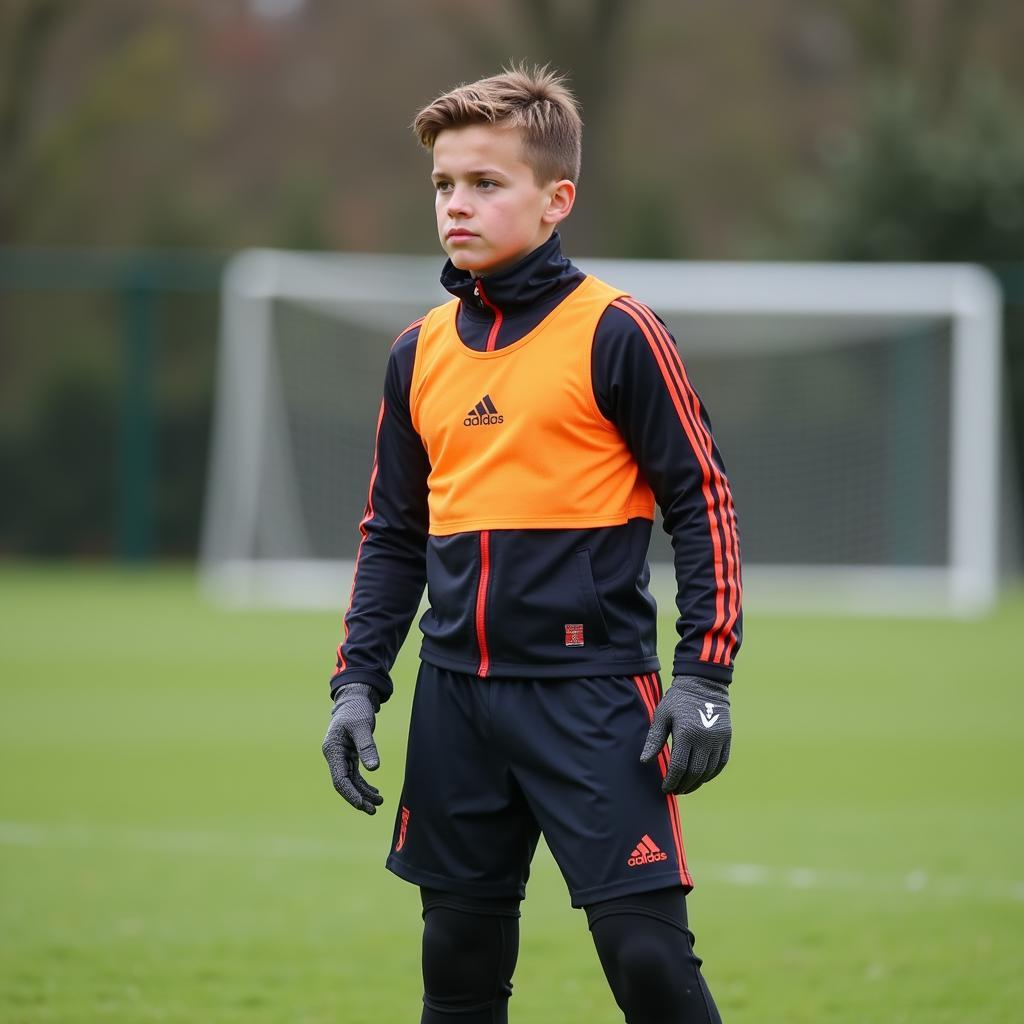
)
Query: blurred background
[
  {"x": 170, "y": 846},
  {"x": 141, "y": 143}
]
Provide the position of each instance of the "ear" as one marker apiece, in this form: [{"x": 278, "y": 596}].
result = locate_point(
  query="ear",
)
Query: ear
[{"x": 560, "y": 202}]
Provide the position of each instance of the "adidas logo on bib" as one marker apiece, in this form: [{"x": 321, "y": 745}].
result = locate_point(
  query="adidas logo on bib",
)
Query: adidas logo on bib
[{"x": 483, "y": 414}]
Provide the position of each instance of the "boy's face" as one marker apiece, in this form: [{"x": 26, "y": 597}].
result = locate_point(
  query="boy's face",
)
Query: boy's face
[{"x": 490, "y": 210}]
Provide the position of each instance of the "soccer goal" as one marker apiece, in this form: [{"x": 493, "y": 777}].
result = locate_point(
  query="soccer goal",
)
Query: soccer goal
[{"x": 857, "y": 408}]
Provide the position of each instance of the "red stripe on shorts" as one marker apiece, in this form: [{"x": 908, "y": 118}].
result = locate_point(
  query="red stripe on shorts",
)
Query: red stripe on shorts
[{"x": 649, "y": 688}]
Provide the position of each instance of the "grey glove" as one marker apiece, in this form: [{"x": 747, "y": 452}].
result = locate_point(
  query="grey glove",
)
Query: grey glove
[
  {"x": 349, "y": 740},
  {"x": 695, "y": 712}
]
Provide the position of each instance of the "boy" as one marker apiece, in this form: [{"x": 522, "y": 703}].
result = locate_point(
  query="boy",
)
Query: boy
[{"x": 526, "y": 430}]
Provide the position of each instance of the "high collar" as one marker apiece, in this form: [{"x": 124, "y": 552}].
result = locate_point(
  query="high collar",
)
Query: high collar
[{"x": 537, "y": 277}]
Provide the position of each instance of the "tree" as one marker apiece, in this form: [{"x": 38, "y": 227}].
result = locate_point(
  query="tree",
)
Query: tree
[
  {"x": 904, "y": 185},
  {"x": 32, "y": 26}
]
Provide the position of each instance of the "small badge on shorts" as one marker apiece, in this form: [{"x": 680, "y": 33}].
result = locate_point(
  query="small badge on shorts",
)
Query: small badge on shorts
[
  {"x": 403, "y": 825},
  {"x": 574, "y": 634}
]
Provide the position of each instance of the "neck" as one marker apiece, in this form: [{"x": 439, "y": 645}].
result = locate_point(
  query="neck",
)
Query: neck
[{"x": 532, "y": 280}]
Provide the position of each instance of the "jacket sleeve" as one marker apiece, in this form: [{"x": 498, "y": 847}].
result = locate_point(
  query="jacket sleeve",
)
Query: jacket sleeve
[
  {"x": 390, "y": 569},
  {"x": 642, "y": 387}
]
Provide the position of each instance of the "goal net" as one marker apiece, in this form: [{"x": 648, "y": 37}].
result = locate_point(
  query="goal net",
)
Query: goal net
[{"x": 856, "y": 408}]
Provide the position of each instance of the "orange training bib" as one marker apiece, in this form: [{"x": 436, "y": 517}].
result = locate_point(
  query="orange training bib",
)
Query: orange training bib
[{"x": 514, "y": 436}]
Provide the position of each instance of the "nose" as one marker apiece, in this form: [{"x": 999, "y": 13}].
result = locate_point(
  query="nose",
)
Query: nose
[{"x": 458, "y": 202}]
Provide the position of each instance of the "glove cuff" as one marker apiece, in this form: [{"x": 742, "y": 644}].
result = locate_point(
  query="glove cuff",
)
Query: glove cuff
[
  {"x": 350, "y": 690},
  {"x": 702, "y": 683}
]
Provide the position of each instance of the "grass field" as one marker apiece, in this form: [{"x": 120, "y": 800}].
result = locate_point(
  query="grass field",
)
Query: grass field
[{"x": 171, "y": 848}]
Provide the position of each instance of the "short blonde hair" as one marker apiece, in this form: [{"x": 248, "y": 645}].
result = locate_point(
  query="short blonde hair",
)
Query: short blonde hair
[{"x": 537, "y": 101}]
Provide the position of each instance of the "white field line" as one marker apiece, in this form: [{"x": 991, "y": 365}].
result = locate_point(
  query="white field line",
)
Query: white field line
[{"x": 914, "y": 881}]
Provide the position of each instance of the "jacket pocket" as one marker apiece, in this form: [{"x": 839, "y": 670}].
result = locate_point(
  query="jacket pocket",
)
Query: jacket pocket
[
  {"x": 453, "y": 572},
  {"x": 591, "y": 599}
]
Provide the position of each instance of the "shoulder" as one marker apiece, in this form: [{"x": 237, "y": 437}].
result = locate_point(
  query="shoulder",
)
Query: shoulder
[
  {"x": 632, "y": 350},
  {"x": 629, "y": 315},
  {"x": 403, "y": 348},
  {"x": 407, "y": 339},
  {"x": 628, "y": 323},
  {"x": 402, "y": 359}
]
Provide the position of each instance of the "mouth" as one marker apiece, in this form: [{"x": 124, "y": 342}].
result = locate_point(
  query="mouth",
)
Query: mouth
[{"x": 455, "y": 234}]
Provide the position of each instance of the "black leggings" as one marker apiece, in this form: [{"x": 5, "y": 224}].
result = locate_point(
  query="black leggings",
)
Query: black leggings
[
  {"x": 470, "y": 948},
  {"x": 646, "y": 950}
]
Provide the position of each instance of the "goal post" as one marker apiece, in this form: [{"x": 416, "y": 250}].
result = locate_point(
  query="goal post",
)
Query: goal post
[{"x": 857, "y": 407}]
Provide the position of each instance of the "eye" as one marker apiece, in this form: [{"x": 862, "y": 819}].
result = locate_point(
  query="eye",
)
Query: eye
[
  {"x": 486, "y": 184},
  {"x": 443, "y": 186}
]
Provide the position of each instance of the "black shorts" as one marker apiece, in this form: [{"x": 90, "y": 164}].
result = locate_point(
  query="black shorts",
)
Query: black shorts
[{"x": 492, "y": 763}]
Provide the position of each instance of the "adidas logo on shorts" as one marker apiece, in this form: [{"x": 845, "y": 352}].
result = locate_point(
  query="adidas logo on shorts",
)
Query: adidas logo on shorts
[
  {"x": 646, "y": 852},
  {"x": 483, "y": 414}
]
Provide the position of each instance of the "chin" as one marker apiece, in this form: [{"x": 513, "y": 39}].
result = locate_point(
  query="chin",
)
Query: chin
[
  {"x": 462, "y": 260},
  {"x": 471, "y": 261}
]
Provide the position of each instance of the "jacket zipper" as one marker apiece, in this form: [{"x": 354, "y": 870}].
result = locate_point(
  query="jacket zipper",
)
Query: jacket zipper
[
  {"x": 492, "y": 337},
  {"x": 481, "y": 602},
  {"x": 485, "y": 535}
]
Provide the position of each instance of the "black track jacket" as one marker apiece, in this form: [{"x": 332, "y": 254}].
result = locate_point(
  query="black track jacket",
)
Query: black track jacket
[{"x": 512, "y": 610}]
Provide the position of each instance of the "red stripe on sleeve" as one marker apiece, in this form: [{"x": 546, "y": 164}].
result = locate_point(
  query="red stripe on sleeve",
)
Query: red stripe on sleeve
[
  {"x": 367, "y": 516},
  {"x": 690, "y": 429},
  {"x": 709, "y": 472},
  {"x": 341, "y": 663},
  {"x": 411, "y": 327},
  {"x": 726, "y": 637}
]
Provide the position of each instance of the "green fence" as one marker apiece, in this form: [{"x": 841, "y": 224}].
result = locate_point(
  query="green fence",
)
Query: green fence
[{"x": 107, "y": 374}]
